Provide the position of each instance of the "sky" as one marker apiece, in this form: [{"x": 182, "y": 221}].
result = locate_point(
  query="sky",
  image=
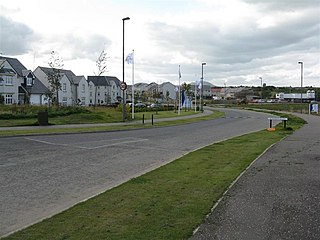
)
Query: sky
[{"x": 239, "y": 40}]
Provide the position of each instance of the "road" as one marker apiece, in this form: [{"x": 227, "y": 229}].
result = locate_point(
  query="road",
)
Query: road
[{"x": 43, "y": 175}]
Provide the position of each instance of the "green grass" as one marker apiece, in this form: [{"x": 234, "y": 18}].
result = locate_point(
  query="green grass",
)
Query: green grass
[
  {"x": 167, "y": 203},
  {"x": 80, "y": 129}
]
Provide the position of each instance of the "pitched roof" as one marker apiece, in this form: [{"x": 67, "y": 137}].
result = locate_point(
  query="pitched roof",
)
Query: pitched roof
[
  {"x": 15, "y": 64},
  {"x": 68, "y": 73},
  {"x": 38, "y": 87},
  {"x": 103, "y": 80}
]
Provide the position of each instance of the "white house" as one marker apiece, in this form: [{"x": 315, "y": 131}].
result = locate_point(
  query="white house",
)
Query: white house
[
  {"x": 103, "y": 90},
  {"x": 74, "y": 89},
  {"x": 19, "y": 85},
  {"x": 167, "y": 87}
]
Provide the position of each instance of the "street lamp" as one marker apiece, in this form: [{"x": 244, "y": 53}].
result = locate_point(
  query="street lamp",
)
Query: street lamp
[
  {"x": 261, "y": 87},
  {"x": 301, "y": 63},
  {"x": 123, "y": 85},
  {"x": 201, "y": 96}
]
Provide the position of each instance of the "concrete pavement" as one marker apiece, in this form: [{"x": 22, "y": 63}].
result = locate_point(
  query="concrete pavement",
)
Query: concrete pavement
[{"x": 278, "y": 197}]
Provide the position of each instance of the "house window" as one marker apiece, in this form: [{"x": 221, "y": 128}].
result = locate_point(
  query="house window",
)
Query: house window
[
  {"x": 64, "y": 87},
  {"x": 98, "y": 93},
  {"x": 83, "y": 101},
  {"x": 90, "y": 101},
  {"x": 90, "y": 87},
  {"x": 98, "y": 87},
  {"x": 29, "y": 81},
  {"x": 9, "y": 80},
  {"x": 83, "y": 88},
  {"x": 90, "y": 94},
  {"x": 9, "y": 98},
  {"x": 64, "y": 101}
]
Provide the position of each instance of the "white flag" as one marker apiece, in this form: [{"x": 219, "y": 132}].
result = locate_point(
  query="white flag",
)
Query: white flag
[
  {"x": 179, "y": 72},
  {"x": 129, "y": 58},
  {"x": 200, "y": 86}
]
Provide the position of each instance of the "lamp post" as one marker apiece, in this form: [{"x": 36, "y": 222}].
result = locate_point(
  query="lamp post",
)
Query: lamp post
[
  {"x": 201, "y": 96},
  {"x": 123, "y": 85},
  {"x": 261, "y": 87},
  {"x": 301, "y": 63}
]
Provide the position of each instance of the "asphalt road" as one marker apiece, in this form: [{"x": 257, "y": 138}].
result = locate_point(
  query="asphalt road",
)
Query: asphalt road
[
  {"x": 43, "y": 175},
  {"x": 278, "y": 197}
]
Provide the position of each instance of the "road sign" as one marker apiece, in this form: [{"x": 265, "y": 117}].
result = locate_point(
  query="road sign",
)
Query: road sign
[{"x": 123, "y": 86}]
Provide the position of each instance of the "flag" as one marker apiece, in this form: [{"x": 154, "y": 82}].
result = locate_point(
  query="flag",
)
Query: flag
[
  {"x": 179, "y": 72},
  {"x": 129, "y": 58},
  {"x": 199, "y": 86},
  {"x": 182, "y": 98}
]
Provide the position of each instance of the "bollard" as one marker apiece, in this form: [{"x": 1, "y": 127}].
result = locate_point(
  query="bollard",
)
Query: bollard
[
  {"x": 142, "y": 118},
  {"x": 152, "y": 119}
]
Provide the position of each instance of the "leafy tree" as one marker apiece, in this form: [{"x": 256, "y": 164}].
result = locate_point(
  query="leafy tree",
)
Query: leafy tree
[{"x": 56, "y": 64}]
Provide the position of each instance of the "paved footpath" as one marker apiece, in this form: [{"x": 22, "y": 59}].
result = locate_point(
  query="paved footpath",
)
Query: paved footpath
[{"x": 278, "y": 197}]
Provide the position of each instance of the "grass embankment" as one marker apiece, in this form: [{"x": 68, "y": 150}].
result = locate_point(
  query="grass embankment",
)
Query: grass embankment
[{"x": 167, "y": 203}]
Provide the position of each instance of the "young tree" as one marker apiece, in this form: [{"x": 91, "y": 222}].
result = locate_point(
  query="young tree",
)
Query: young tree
[
  {"x": 56, "y": 64},
  {"x": 101, "y": 63}
]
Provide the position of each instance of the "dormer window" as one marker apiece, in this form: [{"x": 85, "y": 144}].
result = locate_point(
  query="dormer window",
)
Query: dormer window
[{"x": 29, "y": 81}]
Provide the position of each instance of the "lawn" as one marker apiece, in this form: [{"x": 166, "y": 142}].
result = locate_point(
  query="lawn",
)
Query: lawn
[
  {"x": 27, "y": 115},
  {"x": 167, "y": 203}
]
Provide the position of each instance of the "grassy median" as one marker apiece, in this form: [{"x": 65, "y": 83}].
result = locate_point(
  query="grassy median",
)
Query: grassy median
[{"x": 167, "y": 203}]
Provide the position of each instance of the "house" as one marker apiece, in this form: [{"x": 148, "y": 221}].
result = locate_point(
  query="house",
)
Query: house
[
  {"x": 168, "y": 88},
  {"x": 103, "y": 90},
  {"x": 74, "y": 89},
  {"x": 19, "y": 85}
]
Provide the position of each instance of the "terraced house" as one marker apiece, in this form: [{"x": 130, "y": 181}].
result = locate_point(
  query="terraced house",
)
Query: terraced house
[
  {"x": 19, "y": 85},
  {"x": 103, "y": 90}
]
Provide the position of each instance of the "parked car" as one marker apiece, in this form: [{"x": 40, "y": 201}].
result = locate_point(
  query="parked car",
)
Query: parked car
[
  {"x": 155, "y": 105},
  {"x": 140, "y": 105}
]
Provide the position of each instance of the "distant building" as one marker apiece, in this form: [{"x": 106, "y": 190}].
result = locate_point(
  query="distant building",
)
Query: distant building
[{"x": 306, "y": 97}]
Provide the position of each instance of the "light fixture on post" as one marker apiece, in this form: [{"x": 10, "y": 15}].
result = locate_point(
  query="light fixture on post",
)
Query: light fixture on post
[
  {"x": 201, "y": 96},
  {"x": 123, "y": 85}
]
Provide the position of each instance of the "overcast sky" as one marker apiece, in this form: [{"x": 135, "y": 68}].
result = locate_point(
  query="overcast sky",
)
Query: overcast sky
[{"x": 240, "y": 40}]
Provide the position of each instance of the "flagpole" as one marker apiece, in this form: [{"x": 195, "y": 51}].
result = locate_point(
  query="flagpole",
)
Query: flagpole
[
  {"x": 132, "y": 84},
  {"x": 179, "y": 92},
  {"x": 195, "y": 96}
]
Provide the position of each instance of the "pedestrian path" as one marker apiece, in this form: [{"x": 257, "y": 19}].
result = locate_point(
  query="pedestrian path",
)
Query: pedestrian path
[{"x": 279, "y": 195}]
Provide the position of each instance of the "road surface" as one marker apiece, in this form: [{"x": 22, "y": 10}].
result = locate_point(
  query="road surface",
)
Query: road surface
[{"x": 43, "y": 175}]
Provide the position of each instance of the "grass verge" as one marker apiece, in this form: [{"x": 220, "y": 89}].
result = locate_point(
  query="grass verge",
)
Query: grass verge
[
  {"x": 167, "y": 203},
  {"x": 48, "y": 130}
]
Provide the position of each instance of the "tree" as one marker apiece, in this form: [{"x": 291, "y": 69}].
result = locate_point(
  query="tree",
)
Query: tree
[
  {"x": 101, "y": 63},
  {"x": 56, "y": 64}
]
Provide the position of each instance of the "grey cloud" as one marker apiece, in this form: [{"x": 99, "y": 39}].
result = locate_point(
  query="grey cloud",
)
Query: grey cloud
[
  {"x": 288, "y": 5},
  {"x": 15, "y": 37}
]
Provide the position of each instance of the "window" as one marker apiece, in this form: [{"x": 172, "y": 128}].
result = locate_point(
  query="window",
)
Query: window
[
  {"x": 90, "y": 94},
  {"x": 9, "y": 80},
  {"x": 83, "y": 101},
  {"x": 29, "y": 81},
  {"x": 90, "y": 87},
  {"x": 64, "y": 87},
  {"x": 98, "y": 93},
  {"x": 90, "y": 101},
  {"x": 9, "y": 98},
  {"x": 83, "y": 88},
  {"x": 64, "y": 101}
]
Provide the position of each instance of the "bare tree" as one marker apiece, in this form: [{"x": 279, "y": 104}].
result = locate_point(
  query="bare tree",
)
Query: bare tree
[
  {"x": 56, "y": 64},
  {"x": 101, "y": 63}
]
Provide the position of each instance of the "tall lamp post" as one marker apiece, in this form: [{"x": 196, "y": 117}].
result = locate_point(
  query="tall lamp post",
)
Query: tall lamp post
[
  {"x": 261, "y": 87},
  {"x": 301, "y": 63},
  {"x": 201, "y": 97},
  {"x": 123, "y": 85}
]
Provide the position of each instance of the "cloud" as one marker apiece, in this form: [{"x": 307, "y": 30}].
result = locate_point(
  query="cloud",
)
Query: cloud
[{"x": 15, "y": 37}]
